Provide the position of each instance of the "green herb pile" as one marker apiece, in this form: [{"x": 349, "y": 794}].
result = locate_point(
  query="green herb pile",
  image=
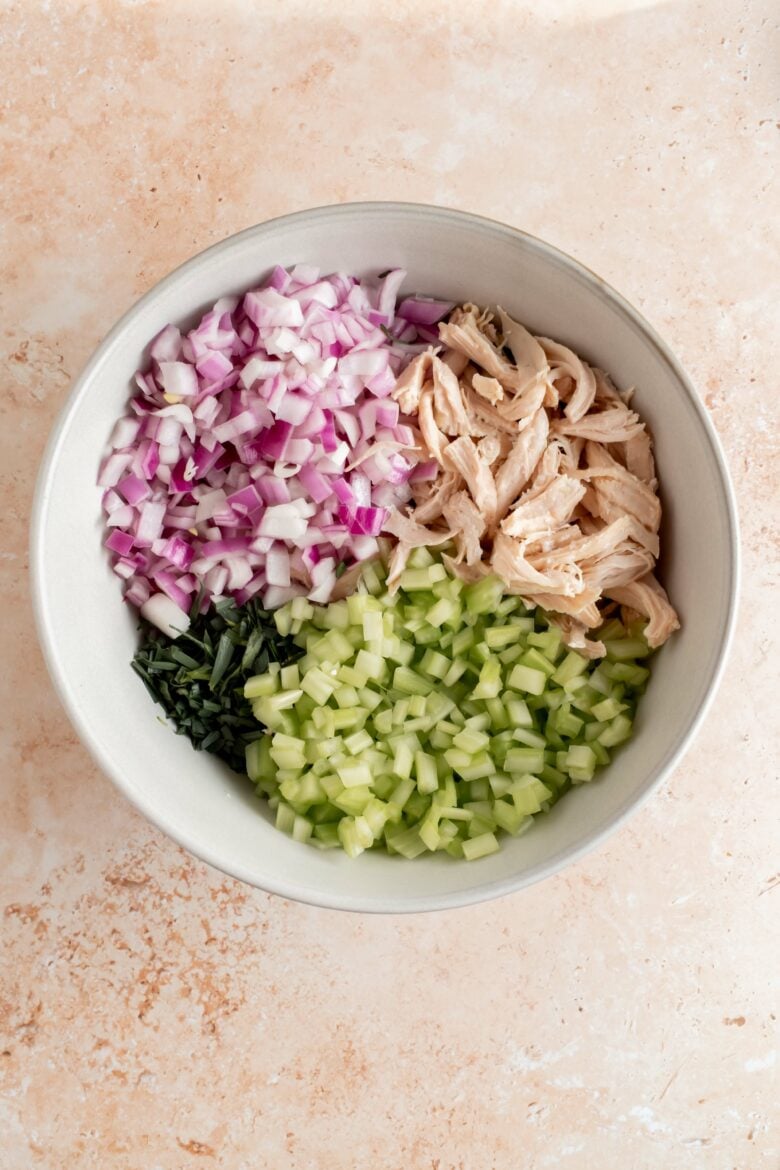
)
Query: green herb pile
[{"x": 198, "y": 679}]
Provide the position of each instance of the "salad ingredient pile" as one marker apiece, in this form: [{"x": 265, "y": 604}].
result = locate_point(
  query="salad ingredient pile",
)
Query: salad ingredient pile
[
  {"x": 263, "y": 452},
  {"x": 429, "y": 718},
  {"x": 199, "y": 678},
  {"x": 545, "y": 476}
]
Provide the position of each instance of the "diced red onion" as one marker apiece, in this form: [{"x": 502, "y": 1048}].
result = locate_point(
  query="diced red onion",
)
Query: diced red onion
[
  {"x": 150, "y": 522},
  {"x": 179, "y": 379},
  {"x": 277, "y": 565},
  {"x": 283, "y": 522},
  {"x": 120, "y": 542},
  {"x": 388, "y": 291},
  {"x": 114, "y": 467},
  {"x": 134, "y": 489},
  {"x": 121, "y": 517},
  {"x": 124, "y": 569},
  {"x": 242, "y": 488},
  {"x": 125, "y": 431},
  {"x": 304, "y": 274},
  {"x": 420, "y": 311},
  {"x": 267, "y": 307},
  {"x": 273, "y": 491},
  {"x": 178, "y": 552},
  {"x": 166, "y": 346},
  {"x": 319, "y": 487}
]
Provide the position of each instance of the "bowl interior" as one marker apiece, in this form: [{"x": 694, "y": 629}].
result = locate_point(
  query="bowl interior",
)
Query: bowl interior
[{"x": 89, "y": 636}]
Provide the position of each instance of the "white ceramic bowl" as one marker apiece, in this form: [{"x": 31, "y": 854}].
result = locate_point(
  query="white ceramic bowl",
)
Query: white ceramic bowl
[{"x": 89, "y": 636}]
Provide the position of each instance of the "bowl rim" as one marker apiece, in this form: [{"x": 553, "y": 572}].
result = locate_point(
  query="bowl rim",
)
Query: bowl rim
[{"x": 355, "y": 903}]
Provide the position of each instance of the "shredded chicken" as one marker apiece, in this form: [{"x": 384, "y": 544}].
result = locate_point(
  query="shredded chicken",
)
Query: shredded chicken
[
  {"x": 432, "y": 437},
  {"x": 456, "y": 361},
  {"x": 578, "y": 377},
  {"x": 639, "y": 459},
  {"x": 467, "y": 573},
  {"x": 540, "y": 510},
  {"x": 462, "y": 333},
  {"x": 525, "y": 405},
  {"x": 619, "y": 567},
  {"x": 546, "y": 476},
  {"x": 649, "y": 598},
  {"x": 485, "y": 418},
  {"x": 346, "y": 582},
  {"x": 467, "y": 522},
  {"x": 606, "y": 390},
  {"x": 616, "y": 491},
  {"x": 509, "y": 563},
  {"x": 430, "y": 506},
  {"x": 607, "y": 426},
  {"x": 448, "y": 408},
  {"x": 582, "y": 608},
  {"x": 411, "y": 381},
  {"x": 521, "y": 461},
  {"x": 489, "y": 388},
  {"x": 575, "y": 635},
  {"x": 530, "y": 358},
  {"x": 462, "y": 456},
  {"x": 548, "y": 467},
  {"x": 490, "y": 448},
  {"x": 408, "y": 531}
]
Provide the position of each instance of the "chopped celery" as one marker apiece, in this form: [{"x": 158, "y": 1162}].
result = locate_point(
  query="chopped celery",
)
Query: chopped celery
[
  {"x": 484, "y": 596},
  {"x": 435, "y": 718},
  {"x": 607, "y": 709},
  {"x": 480, "y": 846},
  {"x": 490, "y": 682},
  {"x": 471, "y": 741},
  {"x": 425, "y": 771},
  {"x": 525, "y": 678},
  {"x": 435, "y": 664},
  {"x": 624, "y": 648},
  {"x": 421, "y": 580},
  {"x": 572, "y": 665},
  {"x": 408, "y": 682}
]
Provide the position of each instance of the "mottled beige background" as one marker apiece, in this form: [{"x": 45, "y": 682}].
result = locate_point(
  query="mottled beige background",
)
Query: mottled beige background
[{"x": 156, "y": 1016}]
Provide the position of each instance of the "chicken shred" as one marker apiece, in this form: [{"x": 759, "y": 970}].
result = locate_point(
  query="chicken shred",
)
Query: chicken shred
[
  {"x": 581, "y": 377},
  {"x": 490, "y": 448},
  {"x": 430, "y": 506},
  {"x": 408, "y": 387},
  {"x": 462, "y": 333},
  {"x": 432, "y": 437},
  {"x": 525, "y": 405},
  {"x": 522, "y": 460},
  {"x": 538, "y": 511},
  {"x": 649, "y": 598},
  {"x": 485, "y": 418},
  {"x": 467, "y": 573},
  {"x": 546, "y": 478},
  {"x": 509, "y": 562},
  {"x": 448, "y": 408},
  {"x": 462, "y": 456},
  {"x": 530, "y": 358},
  {"x": 488, "y": 388},
  {"x": 616, "y": 491},
  {"x": 639, "y": 460},
  {"x": 467, "y": 522},
  {"x": 607, "y": 426},
  {"x": 575, "y": 636}
]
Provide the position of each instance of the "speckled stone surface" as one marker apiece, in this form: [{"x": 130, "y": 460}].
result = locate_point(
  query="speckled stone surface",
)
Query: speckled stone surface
[{"x": 156, "y": 1016}]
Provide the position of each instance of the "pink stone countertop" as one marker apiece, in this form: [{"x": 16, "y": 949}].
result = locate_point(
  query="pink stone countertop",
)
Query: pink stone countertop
[{"x": 157, "y": 1016}]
